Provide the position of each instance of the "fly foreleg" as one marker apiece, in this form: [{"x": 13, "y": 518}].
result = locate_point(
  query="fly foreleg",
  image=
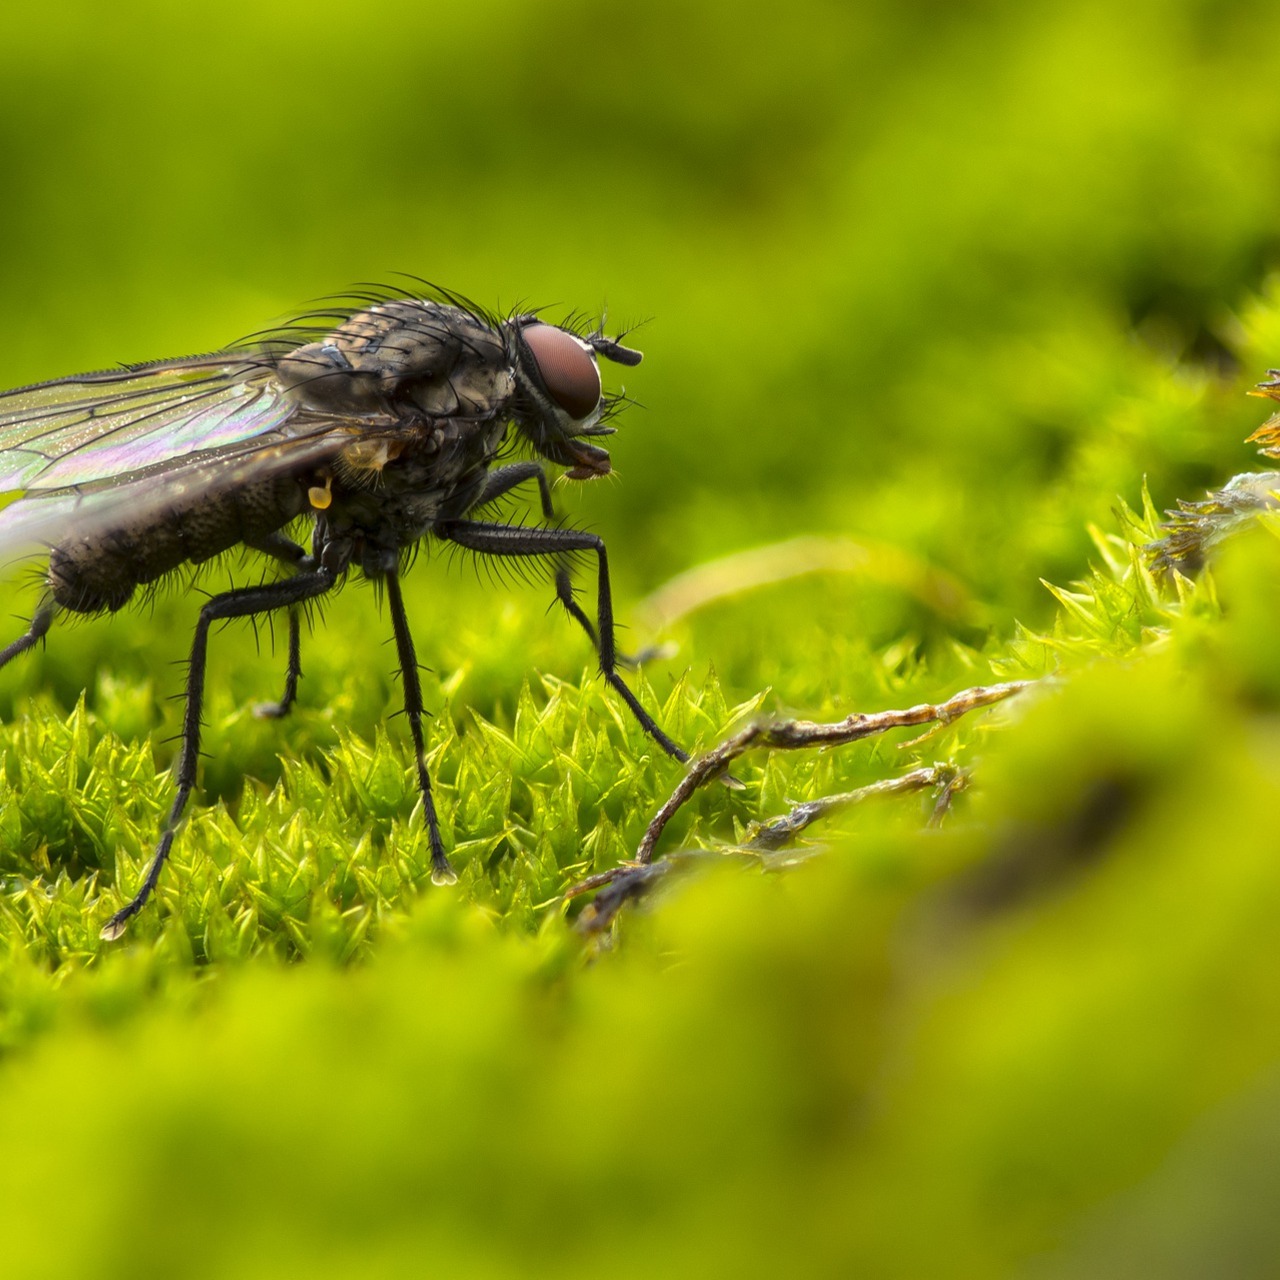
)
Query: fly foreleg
[
  {"x": 504, "y": 479},
  {"x": 501, "y": 482},
  {"x": 509, "y": 540},
  {"x": 242, "y": 602}
]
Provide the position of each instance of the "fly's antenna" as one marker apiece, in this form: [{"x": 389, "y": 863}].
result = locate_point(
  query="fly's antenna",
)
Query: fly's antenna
[{"x": 613, "y": 350}]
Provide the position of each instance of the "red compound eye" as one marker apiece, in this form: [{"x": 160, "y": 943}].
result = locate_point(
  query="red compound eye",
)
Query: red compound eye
[{"x": 568, "y": 368}]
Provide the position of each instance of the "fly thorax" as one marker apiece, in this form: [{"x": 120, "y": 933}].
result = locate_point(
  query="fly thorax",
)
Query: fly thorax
[
  {"x": 412, "y": 355},
  {"x": 389, "y": 517}
]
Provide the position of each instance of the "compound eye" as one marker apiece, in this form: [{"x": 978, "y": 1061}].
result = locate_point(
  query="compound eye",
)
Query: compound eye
[{"x": 568, "y": 368}]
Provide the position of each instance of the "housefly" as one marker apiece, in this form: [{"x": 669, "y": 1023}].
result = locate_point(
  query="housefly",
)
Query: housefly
[{"x": 377, "y": 422}]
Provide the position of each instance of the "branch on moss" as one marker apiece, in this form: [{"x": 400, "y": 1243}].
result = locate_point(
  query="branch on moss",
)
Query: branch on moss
[
  {"x": 632, "y": 880},
  {"x": 947, "y": 778},
  {"x": 792, "y": 735}
]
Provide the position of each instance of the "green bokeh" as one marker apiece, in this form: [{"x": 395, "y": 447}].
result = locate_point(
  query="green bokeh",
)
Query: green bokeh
[{"x": 924, "y": 290}]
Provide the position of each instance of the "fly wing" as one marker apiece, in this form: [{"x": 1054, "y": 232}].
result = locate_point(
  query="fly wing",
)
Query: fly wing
[
  {"x": 40, "y": 519},
  {"x": 102, "y": 451},
  {"x": 99, "y": 426}
]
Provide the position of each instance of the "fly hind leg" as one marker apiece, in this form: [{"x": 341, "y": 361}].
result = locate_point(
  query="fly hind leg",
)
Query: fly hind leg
[{"x": 242, "y": 602}]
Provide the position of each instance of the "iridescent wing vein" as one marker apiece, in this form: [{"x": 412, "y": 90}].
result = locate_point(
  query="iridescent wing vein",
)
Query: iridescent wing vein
[
  {"x": 100, "y": 426},
  {"x": 81, "y": 452}
]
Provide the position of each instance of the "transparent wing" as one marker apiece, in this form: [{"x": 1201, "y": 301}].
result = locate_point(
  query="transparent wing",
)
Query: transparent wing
[
  {"x": 99, "y": 426},
  {"x": 33, "y": 523}
]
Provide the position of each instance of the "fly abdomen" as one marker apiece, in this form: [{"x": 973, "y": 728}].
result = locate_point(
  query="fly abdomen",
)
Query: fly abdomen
[{"x": 99, "y": 573}]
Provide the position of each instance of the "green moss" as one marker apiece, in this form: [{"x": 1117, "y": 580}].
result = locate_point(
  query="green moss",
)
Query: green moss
[{"x": 948, "y": 303}]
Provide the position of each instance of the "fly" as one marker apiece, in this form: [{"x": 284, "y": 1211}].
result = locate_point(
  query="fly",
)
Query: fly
[{"x": 380, "y": 423}]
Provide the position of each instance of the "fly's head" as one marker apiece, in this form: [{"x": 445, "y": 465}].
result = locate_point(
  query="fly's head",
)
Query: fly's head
[{"x": 559, "y": 400}]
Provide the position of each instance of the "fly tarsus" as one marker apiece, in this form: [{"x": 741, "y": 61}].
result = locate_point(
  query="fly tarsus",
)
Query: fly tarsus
[{"x": 242, "y": 602}]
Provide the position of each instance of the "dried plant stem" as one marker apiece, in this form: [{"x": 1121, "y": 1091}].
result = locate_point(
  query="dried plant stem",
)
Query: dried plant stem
[
  {"x": 792, "y": 735},
  {"x": 781, "y": 831},
  {"x": 631, "y": 880}
]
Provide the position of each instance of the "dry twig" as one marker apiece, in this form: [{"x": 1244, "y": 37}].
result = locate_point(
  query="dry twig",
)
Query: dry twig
[
  {"x": 790, "y": 735},
  {"x": 781, "y": 831},
  {"x": 630, "y": 880}
]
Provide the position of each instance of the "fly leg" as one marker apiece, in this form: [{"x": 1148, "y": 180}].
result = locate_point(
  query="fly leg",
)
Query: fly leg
[
  {"x": 242, "y": 602},
  {"x": 278, "y": 710},
  {"x": 441, "y": 871},
  {"x": 288, "y": 551},
  {"x": 507, "y": 540},
  {"x": 35, "y": 632},
  {"x": 505, "y": 479}
]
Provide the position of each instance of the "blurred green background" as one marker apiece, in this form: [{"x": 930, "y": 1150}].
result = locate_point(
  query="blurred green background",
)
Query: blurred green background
[
  {"x": 938, "y": 284},
  {"x": 875, "y": 249}
]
